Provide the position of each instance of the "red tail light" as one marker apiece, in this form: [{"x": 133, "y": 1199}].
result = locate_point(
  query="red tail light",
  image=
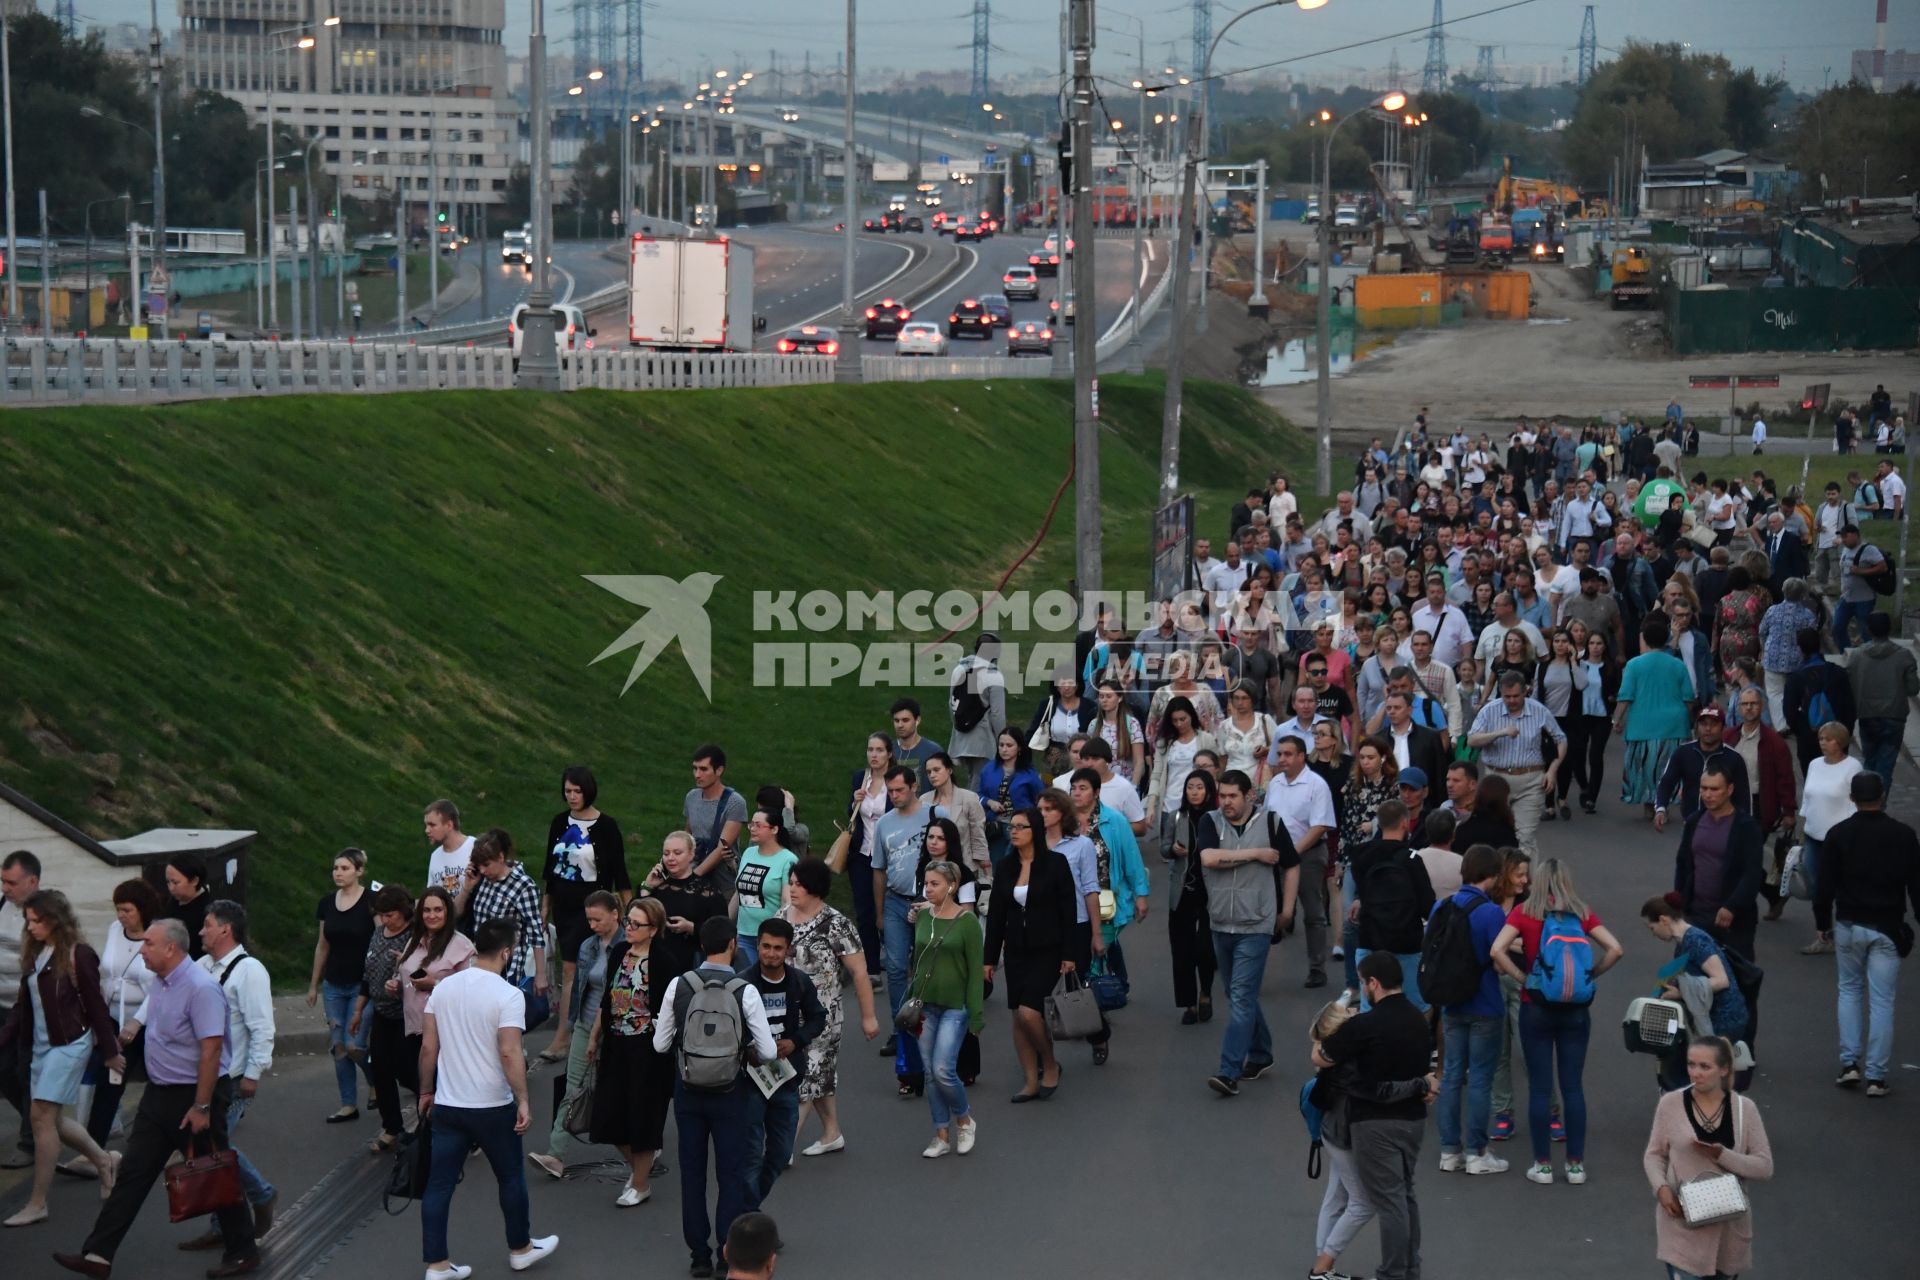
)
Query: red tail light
[
  {"x": 971, "y": 302},
  {"x": 953, "y": 319},
  {"x": 832, "y": 348},
  {"x": 784, "y": 345},
  {"x": 905, "y": 315},
  {"x": 871, "y": 313},
  {"x": 1047, "y": 334}
]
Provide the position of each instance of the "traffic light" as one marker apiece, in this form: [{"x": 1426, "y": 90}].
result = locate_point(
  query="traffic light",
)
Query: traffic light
[
  {"x": 1066, "y": 158},
  {"x": 441, "y": 217}
]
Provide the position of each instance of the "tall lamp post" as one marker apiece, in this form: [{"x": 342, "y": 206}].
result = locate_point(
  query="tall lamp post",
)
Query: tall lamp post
[
  {"x": 1323, "y": 377},
  {"x": 1183, "y": 254},
  {"x": 849, "y": 369},
  {"x": 539, "y": 359}
]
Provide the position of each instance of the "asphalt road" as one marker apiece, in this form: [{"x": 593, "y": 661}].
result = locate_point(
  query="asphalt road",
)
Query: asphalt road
[{"x": 1136, "y": 1170}]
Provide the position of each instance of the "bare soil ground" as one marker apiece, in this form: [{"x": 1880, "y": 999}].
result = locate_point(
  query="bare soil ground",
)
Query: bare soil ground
[{"x": 1577, "y": 357}]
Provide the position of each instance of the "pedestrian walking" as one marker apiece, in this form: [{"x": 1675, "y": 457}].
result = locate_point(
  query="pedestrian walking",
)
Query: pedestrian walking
[
  {"x": 1459, "y": 959},
  {"x": 184, "y": 1105},
  {"x": 473, "y": 1093},
  {"x": 753, "y": 1247},
  {"x": 603, "y": 915},
  {"x": 189, "y": 893},
  {"x": 1885, "y": 680},
  {"x": 1253, "y": 879},
  {"x": 1390, "y": 1042},
  {"x": 977, "y": 700},
  {"x": 827, "y": 949},
  {"x": 435, "y": 950},
  {"x": 1869, "y": 877},
  {"x": 713, "y": 1024},
  {"x": 948, "y": 981},
  {"x": 635, "y": 1080},
  {"x": 1030, "y": 932},
  {"x": 1651, "y": 713},
  {"x": 1305, "y": 803},
  {"x": 1512, "y": 734},
  {"x": 504, "y": 891},
  {"x": 1703, "y": 1131},
  {"x": 19, "y": 880},
  {"x": 1120, "y": 890},
  {"x": 795, "y": 1017},
  {"x": 58, "y": 1016},
  {"x": 124, "y": 980},
  {"x": 339, "y": 963},
  {"x": 760, "y": 883},
  {"x": 586, "y": 854},
  {"x": 1190, "y": 938},
  {"x": 243, "y": 979},
  {"x": 1861, "y": 564},
  {"x": 1557, "y": 932},
  {"x": 381, "y": 1003},
  {"x": 1826, "y": 800}
]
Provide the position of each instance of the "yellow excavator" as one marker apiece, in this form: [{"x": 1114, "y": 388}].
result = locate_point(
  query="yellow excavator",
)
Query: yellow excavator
[{"x": 1512, "y": 192}]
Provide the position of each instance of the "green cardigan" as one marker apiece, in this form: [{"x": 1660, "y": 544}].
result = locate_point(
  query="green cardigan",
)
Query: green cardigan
[{"x": 950, "y": 975}]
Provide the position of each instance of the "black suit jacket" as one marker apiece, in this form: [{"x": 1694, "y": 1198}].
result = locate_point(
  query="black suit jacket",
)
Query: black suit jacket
[
  {"x": 1789, "y": 560},
  {"x": 1050, "y": 914},
  {"x": 1425, "y": 752}
]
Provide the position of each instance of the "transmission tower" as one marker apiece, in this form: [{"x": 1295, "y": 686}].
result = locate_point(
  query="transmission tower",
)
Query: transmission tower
[
  {"x": 1488, "y": 81},
  {"x": 1393, "y": 70},
  {"x": 605, "y": 47},
  {"x": 1202, "y": 45},
  {"x": 1434, "y": 78},
  {"x": 70, "y": 22},
  {"x": 980, "y": 45},
  {"x": 633, "y": 69},
  {"x": 582, "y": 39},
  {"x": 1589, "y": 46}
]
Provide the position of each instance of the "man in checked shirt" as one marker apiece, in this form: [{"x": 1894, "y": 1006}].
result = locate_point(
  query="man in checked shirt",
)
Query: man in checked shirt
[{"x": 1508, "y": 732}]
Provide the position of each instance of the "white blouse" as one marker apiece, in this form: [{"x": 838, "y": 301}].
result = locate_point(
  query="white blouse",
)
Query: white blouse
[
  {"x": 124, "y": 976},
  {"x": 1827, "y": 797},
  {"x": 1246, "y": 748}
]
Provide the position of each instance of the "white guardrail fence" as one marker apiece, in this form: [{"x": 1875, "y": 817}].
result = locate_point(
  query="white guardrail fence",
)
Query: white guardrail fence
[{"x": 35, "y": 371}]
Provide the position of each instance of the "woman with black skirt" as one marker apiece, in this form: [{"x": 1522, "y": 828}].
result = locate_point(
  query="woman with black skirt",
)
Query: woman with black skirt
[
  {"x": 1187, "y": 925},
  {"x": 1029, "y": 927},
  {"x": 635, "y": 1080},
  {"x": 585, "y": 853}
]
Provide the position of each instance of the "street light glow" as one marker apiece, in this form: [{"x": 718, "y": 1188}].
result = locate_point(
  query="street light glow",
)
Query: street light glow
[
  {"x": 1394, "y": 101},
  {"x": 306, "y": 42},
  {"x": 575, "y": 90},
  {"x": 333, "y": 21},
  {"x": 596, "y": 74},
  {"x": 1310, "y": 4}
]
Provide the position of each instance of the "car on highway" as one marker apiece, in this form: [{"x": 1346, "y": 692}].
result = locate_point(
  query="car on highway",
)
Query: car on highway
[
  {"x": 1021, "y": 282},
  {"x": 988, "y": 225},
  {"x": 1346, "y": 215},
  {"x": 873, "y": 224},
  {"x": 942, "y": 223},
  {"x": 920, "y": 338},
  {"x": 971, "y": 319},
  {"x": 965, "y": 230},
  {"x": 808, "y": 339},
  {"x": 1044, "y": 261},
  {"x": 1312, "y": 215},
  {"x": 1413, "y": 220},
  {"x": 913, "y": 222},
  {"x": 516, "y": 247},
  {"x": 1029, "y": 337},
  {"x": 885, "y": 317},
  {"x": 1052, "y": 245},
  {"x": 999, "y": 307},
  {"x": 896, "y": 204},
  {"x": 1061, "y": 307},
  {"x": 571, "y": 334}
]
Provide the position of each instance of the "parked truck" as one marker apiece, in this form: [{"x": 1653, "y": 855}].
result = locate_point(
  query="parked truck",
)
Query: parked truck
[
  {"x": 690, "y": 294},
  {"x": 1632, "y": 278}
]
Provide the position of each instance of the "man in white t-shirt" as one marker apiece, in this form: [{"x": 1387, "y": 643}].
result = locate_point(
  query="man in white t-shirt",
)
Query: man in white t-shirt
[
  {"x": 1116, "y": 792},
  {"x": 473, "y": 1092},
  {"x": 1893, "y": 492},
  {"x": 1759, "y": 434},
  {"x": 1304, "y": 803},
  {"x": 449, "y": 866},
  {"x": 1203, "y": 561},
  {"x": 1223, "y": 580}
]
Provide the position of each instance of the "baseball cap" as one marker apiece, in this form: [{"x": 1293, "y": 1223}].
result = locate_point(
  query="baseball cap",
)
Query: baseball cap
[
  {"x": 1413, "y": 776},
  {"x": 1711, "y": 713}
]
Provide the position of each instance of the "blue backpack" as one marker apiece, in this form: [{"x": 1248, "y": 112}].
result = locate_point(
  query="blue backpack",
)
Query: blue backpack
[
  {"x": 1563, "y": 971},
  {"x": 1314, "y": 1115}
]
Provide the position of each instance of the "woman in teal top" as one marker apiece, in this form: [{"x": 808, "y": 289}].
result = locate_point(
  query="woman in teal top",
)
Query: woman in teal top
[
  {"x": 760, "y": 887},
  {"x": 1653, "y": 712},
  {"x": 948, "y": 974}
]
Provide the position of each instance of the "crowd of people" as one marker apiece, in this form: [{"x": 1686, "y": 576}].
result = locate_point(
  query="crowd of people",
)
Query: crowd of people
[{"x": 1358, "y": 725}]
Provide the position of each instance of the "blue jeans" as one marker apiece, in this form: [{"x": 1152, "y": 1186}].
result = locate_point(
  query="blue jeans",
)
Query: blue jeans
[
  {"x": 258, "y": 1190},
  {"x": 898, "y": 932},
  {"x": 1869, "y": 970},
  {"x": 1242, "y": 962},
  {"x": 771, "y": 1125},
  {"x": 1810, "y": 860},
  {"x": 455, "y": 1131},
  {"x": 1551, "y": 1033},
  {"x": 1880, "y": 745},
  {"x": 1473, "y": 1049},
  {"x": 718, "y": 1120},
  {"x": 1844, "y": 612},
  {"x": 338, "y": 1001},
  {"x": 942, "y": 1032},
  {"x": 1409, "y": 977}
]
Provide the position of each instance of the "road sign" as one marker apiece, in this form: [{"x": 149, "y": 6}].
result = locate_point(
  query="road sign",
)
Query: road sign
[
  {"x": 1724, "y": 381},
  {"x": 1026, "y": 160},
  {"x": 1816, "y": 397},
  {"x": 944, "y": 160},
  {"x": 157, "y": 305},
  {"x": 158, "y": 281}
]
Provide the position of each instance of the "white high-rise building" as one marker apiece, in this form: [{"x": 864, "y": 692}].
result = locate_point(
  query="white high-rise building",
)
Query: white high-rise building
[{"x": 403, "y": 91}]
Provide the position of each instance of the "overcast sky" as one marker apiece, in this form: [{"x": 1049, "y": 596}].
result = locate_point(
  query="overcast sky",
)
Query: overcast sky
[{"x": 1805, "y": 38}]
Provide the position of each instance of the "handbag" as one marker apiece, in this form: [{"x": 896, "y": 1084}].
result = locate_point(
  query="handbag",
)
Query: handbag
[
  {"x": 412, "y": 1165},
  {"x": 837, "y": 853},
  {"x": 1073, "y": 1013},
  {"x": 1043, "y": 733},
  {"x": 913, "y": 1008},
  {"x": 539, "y": 1007},
  {"x": 1794, "y": 880},
  {"x": 577, "y": 1118},
  {"x": 1712, "y": 1198},
  {"x": 203, "y": 1184},
  {"x": 1109, "y": 992}
]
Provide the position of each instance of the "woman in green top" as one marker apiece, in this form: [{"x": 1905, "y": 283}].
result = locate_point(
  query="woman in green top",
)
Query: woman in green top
[
  {"x": 948, "y": 973},
  {"x": 760, "y": 886},
  {"x": 1652, "y": 711}
]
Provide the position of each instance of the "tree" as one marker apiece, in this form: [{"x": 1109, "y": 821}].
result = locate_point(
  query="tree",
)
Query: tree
[
  {"x": 1750, "y": 107},
  {"x": 1853, "y": 141},
  {"x": 1656, "y": 98}
]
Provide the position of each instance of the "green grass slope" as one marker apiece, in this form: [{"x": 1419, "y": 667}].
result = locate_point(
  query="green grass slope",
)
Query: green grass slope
[{"x": 311, "y": 616}]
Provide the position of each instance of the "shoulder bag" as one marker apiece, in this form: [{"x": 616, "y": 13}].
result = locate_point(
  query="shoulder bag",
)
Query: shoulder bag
[
  {"x": 1072, "y": 1011},
  {"x": 841, "y": 847},
  {"x": 1712, "y": 1197},
  {"x": 577, "y": 1115},
  {"x": 913, "y": 1008},
  {"x": 1043, "y": 734}
]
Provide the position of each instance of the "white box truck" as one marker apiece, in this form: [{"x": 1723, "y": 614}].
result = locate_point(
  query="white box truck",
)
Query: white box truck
[{"x": 690, "y": 294}]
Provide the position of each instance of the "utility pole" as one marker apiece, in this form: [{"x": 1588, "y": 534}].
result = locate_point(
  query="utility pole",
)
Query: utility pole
[
  {"x": 293, "y": 250},
  {"x": 539, "y": 360},
  {"x": 1086, "y": 329},
  {"x": 46, "y": 271},
  {"x": 400, "y": 262},
  {"x": 13, "y": 248},
  {"x": 159, "y": 157},
  {"x": 1182, "y": 304},
  {"x": 1323, "y": 320},
  {"x": 852, "y": 338}
]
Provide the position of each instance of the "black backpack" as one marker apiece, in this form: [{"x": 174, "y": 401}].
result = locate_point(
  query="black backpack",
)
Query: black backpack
[
  {"x": 1450, "y": 969},
  {"x": 969, "y": 707}
]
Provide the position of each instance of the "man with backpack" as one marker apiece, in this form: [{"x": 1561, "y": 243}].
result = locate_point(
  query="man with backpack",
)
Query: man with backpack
[
  {"x": 710, "y": 1020},
  {"x": 1393, "y": 897},
  {"x": 1457, "y": 973},
  {"x": 1252, "y": 875},
  {"x": 1864, "y": 575},
  {"x": 712, "y": 812},
  {"x": 1818, "y": 693},
  {"x": 977, "y": 698}
]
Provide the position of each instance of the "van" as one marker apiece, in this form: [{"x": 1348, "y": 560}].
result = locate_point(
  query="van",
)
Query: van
[{"x": 571, "y": 334}]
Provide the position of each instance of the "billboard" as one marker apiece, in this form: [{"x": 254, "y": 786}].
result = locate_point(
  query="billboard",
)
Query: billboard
[
  {"x": 1173, "y": 548},
  {"x": 892, "y": 171}
]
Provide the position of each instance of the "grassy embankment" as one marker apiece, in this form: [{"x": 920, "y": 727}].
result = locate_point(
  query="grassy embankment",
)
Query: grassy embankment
[{"x": 311, "y": 616}]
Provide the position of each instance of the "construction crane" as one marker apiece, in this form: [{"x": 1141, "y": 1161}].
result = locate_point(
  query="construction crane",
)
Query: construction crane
[{"x": 1514, "y": 192}]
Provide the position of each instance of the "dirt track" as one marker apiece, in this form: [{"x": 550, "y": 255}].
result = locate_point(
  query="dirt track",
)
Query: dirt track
[{"x": 1577, "y": 356}]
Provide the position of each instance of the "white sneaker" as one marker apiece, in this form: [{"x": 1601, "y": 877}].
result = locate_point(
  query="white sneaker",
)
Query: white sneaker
[
  {"x": 1540, "y": 1173},
  {"x": 826, "y": 1148},
  {"x": 1576, "y": 1173},
  {"x": 541, "y": 1247},
  {"x": 937, "y": 1148},
  {"x": 1486, "y": 1162},
  {"x": 633, "y": 1196},
  {"x": 454, "y": 1272},
  {"x": 1452, "y": 1161},
  {"x": 547, "y": 1164},
  {"x": 966, "y": 1135}
]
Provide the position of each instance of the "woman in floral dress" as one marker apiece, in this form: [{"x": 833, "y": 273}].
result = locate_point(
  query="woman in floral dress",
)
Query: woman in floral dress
[
  {"x": 827, "y": 949},
  {"x": 1736, "y": 619}
]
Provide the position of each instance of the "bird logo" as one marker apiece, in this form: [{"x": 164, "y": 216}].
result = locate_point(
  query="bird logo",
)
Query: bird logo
[{"x": 674, "y": 611}]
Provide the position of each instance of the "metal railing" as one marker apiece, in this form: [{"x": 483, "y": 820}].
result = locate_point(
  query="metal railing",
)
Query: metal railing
[
  {"x": 661, "y": 371},
  {"x": 36, "y": 371},
  {"x": 945, "y": 368}
]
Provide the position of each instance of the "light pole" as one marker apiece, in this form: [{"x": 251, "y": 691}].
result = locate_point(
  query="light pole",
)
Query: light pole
[
  {"x": 539, "y": 360},
  {"x": 87, "y": 218},
  {"x": 159, "y": 195},
  {"x": 1323, "y": 457},
  {"x": 6, "y": 106},
  {"x": 1183, "y": 255},
  {"x": 1135, "y": 362},
  {"x": 848, "y": 368},
  {"x": 303, "y": 43}
]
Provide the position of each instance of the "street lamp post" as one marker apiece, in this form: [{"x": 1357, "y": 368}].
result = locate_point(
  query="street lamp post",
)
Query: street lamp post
[
  {"x": 1183, "y": 255},
  {"x": 539, "y": 359},
  {"x": 87, "y": 218},
  {"x": 848, "y": 368},
  {"x": 1323, "y": 377}
]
